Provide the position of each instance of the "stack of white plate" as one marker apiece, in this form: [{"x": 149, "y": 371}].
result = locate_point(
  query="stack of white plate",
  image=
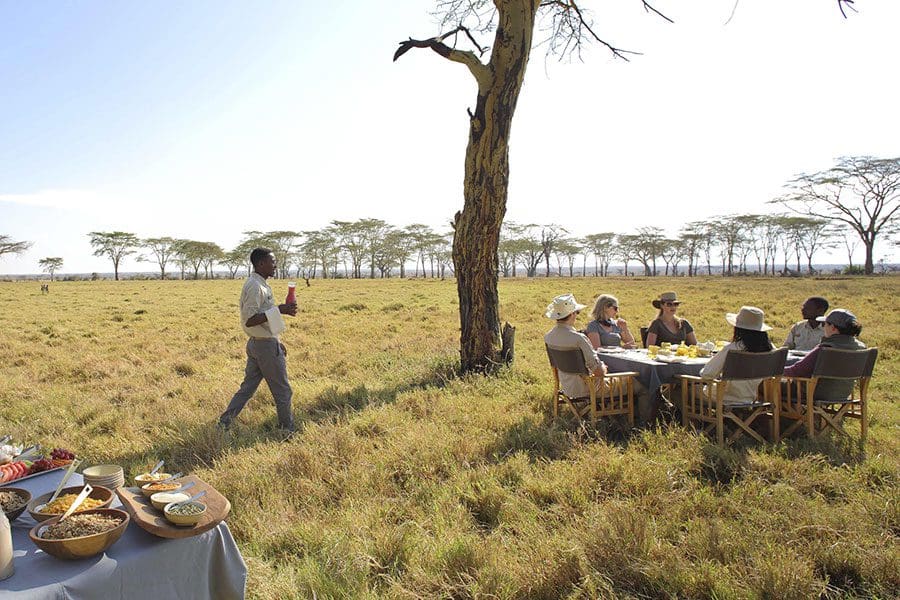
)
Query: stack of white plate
[{"x": 108, "y": 476}]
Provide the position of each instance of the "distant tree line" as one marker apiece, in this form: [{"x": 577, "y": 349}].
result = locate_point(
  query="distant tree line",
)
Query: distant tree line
[
  {"x": 363, "y": 248},
  {"x": 730, "y": 245},
  {"x": 856, "y": 202}
]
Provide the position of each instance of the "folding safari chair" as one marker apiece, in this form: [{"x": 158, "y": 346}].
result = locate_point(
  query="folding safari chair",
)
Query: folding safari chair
[
  {"x": 617, "y": 397},
  {"x": 644, "y": 331},
  {"x": 806, "y": 405},
  {"x": 702, "y": 399}
]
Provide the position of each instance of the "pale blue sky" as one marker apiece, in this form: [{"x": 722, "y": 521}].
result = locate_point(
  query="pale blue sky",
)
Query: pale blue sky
[{"x": 203, "y": 119}]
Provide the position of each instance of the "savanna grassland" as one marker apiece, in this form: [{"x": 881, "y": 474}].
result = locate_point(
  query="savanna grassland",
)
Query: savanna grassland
[{"x": 407, "y": 481}]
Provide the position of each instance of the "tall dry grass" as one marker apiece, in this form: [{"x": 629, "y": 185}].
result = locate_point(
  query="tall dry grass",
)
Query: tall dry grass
[{"x": 407, "y": 481}]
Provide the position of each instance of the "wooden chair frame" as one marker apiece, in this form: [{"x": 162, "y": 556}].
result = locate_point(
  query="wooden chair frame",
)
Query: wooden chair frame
[
  {"x": 702, "y": 400},
  {"x": 616, "y": 399},
  {"x": 820, "y": 415}
]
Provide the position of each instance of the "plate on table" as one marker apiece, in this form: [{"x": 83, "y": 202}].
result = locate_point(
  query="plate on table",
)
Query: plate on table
[
  {"x": 24, "y": 477},
  {"x": 671, "y": 359},
  {"x": 798, "y": 352},
  {"x": 610, "y": 349}
]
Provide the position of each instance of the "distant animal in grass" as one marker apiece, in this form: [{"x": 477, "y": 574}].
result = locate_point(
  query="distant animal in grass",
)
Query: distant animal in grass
[{"x": 45, "y": 288}]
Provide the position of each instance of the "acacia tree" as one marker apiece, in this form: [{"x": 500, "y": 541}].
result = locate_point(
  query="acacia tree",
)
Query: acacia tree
[
  {"x": 163, "y": 249},
  {"x": 114, "y": 245},
  {"x": 486, "y": 181},
  {"x": 10, "y": 246},
  {"x": 861, "y": 191},
  {"x": 51, "y": 265}
]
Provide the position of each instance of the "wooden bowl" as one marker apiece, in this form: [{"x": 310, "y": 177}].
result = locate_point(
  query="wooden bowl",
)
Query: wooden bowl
[
  {"x": 99, "y": 493},
  {"x": 85, "y": 546},
  {"x": 185, "y": 520},
  {"x": 22, "y": 493}
]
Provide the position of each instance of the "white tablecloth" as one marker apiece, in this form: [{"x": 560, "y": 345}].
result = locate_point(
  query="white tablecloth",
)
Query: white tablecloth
[{"x": 139, "y": 565}]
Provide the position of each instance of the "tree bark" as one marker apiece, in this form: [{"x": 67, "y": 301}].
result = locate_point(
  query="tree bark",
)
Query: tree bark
[{"x": 477, "y": 226}]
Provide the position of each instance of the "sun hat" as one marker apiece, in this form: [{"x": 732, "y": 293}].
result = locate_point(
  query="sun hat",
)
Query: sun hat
[
  {"x": 749, "y": 317},
  {"x": 666, "y": 297},
  {"x": 839, "y": 317},
  {"x": 562, "y": 307}
]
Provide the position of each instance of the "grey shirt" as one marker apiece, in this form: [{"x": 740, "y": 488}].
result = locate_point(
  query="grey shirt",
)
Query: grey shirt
[
  {"x": 613, "y": 337},
  {"x": 565, "y": 337}
]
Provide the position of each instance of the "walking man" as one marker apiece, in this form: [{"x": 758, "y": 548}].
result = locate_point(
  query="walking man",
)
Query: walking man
[{"x": 266, "y": 355}]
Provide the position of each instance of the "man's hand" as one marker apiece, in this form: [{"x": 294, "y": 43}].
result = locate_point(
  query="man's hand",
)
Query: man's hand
[
  {"x": 288, "y": 309},
  {"x": 283, "y": 348}
]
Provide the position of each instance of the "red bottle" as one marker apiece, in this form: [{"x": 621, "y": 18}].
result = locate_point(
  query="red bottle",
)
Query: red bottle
[{"x": 291, "y": 297}]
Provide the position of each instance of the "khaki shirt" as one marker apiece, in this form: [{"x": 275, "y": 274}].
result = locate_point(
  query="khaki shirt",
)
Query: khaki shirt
[
  {"x": 565, "y": 337},
  {"x": 256, "y": 297},
  {"x": 804, "y": 337}
]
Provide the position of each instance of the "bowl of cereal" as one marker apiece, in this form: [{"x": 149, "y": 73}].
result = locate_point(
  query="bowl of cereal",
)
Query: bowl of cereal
[
  {"x": 185, "y": 513},
  {"x": 84, "y": 534},
  {"x": 145, "y": 478},
  {"x": 148, "y": 489},
  {"x": 40, "y": 510},
  {"x": 13, "y": 501}
]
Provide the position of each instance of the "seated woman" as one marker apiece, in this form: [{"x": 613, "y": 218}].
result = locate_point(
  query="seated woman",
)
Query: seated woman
[
  {"x": 749, "y": 336},
  {"x": 606, "y": 328},
  {"x": 667, "y": 327},
  {"x": 840, "y": 331}
]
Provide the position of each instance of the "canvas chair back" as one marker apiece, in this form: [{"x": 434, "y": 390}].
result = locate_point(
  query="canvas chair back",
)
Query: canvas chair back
[
  {"x": 644, "y": 331},
  {"x": 567, "y": 360},
  {"x": 754, "y": 365},
  {"x": 835, "y": 363}
]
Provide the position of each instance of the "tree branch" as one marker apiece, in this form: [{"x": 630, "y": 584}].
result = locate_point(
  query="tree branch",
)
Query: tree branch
[
  {"x": 478, "y": 69},
  {"x": 848, "y": 4}
]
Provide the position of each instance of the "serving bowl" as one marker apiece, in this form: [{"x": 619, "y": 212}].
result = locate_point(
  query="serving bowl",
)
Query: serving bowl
[
  {"x": 184, "y": 520},
  {"x": 85, "y": 546},
  {"x": 99, "y": 493},
  {"x": 148, "y": 492},
  {"x": 160, "y": 499},
  {"x": 140, "y": 480},
  {"x": 21, "y": 493}
]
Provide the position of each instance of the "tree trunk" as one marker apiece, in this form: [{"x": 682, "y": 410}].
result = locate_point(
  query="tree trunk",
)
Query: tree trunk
[
  {"x": 870, "y": 264},
  {"x": 486, "y": 183}
]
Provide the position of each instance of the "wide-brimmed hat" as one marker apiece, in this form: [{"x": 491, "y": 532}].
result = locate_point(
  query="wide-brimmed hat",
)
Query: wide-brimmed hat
[
  {"x": 562, "y": 307},
  {"x": 749, "y": 317},
  {"x": 839, "y": 317},
  {"x": 666, "y": 297}
]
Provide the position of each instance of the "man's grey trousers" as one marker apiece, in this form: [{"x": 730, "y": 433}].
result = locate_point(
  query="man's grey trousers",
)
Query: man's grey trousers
[{"x": 265, "y": 360}]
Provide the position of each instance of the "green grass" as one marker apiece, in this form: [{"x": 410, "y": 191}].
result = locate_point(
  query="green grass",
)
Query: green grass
[{"x": 407, "y": 481}]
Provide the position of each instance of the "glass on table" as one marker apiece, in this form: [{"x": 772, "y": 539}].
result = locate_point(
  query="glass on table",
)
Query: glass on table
[{"x": 652, "y": 350}]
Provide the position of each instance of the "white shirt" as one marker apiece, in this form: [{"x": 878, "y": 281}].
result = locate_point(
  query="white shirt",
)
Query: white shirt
[
  {"x": 804, "y": 337},
  {"x": 256, "y": 297},
  {"x": 736, "y": 391}
]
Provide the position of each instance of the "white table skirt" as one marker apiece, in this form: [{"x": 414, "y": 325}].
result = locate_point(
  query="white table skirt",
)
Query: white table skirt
[{"x": 139, "y": 565}]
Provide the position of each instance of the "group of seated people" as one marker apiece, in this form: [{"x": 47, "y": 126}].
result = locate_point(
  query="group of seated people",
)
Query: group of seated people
[{"x": 837, "y": 329}]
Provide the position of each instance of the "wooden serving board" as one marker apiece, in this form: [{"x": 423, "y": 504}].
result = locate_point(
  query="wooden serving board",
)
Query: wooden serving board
[{"x": 153, "y": 521}]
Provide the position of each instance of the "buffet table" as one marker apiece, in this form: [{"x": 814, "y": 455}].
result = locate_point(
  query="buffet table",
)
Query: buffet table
[{"x": 137, "y": 566}]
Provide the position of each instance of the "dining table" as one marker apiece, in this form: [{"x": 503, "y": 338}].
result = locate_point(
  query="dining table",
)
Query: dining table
[
  {"x": 138, "y": 566},
  {"x": 654, "y": 372}
]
